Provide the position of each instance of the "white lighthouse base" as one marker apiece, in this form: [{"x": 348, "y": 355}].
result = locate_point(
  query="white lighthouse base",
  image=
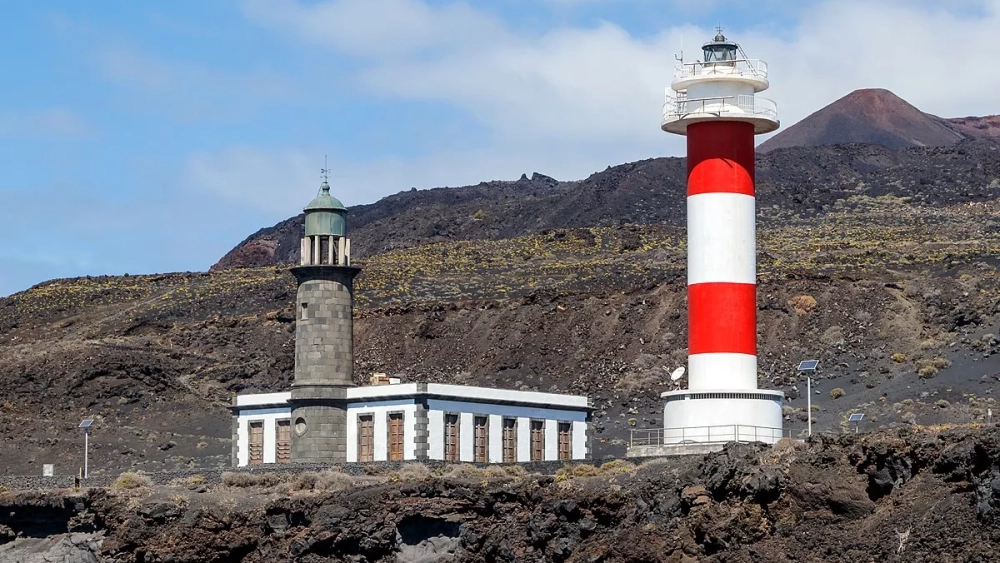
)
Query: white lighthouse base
[{"x": 704, "y": 420}]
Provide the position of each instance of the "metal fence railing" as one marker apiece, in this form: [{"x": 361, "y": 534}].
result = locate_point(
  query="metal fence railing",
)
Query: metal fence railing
[
  {"x": 679, "y": 106},
  {"x": 751, "y": 68},
  {"x": 708, "y": 435}
]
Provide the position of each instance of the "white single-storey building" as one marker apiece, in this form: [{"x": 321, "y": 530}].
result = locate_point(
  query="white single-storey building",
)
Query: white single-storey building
[{"x": 426, "y": 421}]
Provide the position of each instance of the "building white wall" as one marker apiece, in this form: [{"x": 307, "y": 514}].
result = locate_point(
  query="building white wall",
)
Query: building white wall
[
  {"x": 523, "y": 439},
  {"x": 269, "y": 416},
  {"x": 382, "y": 400},
  {"x": 524, "y": 415},
  {"x": 496, "y": 439},
  {"x": 257, "y": 399},
  {"x": 465, "y": 437},
  {"x": 380, "y": 411},
  {"x": 435, "y": 434}
]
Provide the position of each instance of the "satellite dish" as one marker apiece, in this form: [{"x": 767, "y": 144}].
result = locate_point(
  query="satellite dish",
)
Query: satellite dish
[{"x": 677, "y": 374}]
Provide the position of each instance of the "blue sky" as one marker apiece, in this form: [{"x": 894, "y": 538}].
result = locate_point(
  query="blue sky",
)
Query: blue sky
[{"x": 153, "y": 136}]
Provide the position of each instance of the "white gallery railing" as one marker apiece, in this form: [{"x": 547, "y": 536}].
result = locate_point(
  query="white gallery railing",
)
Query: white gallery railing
[
  {"x": 747, "y": 68},
  {"x": 679, "y": 106}
]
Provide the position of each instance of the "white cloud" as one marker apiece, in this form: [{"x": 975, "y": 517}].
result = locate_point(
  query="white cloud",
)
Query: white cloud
[
  {"x": 570, "y": 101},
  {"x": 52, "y": 122},
  {"x": 928, "y": 55}
]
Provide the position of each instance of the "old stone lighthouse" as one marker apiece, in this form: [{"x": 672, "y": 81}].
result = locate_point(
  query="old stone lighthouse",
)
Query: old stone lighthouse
[
  {"x": 324, "y": 334},
  {"x": 326, "y": 419}
]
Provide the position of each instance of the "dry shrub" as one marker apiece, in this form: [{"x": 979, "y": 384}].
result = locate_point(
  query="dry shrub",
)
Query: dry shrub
[
  {"x": 513, "y": 470},
  {"x": 802, "y": 303},
  {"x": 504, "y": 472},
  {"x": 927, "y": 372},
  {"x": 130, "y": 480},
  {"x": 328, "y": 480},
  {"x": 837, "y": 393},
  {"x": 575, "y": 471},
  {"x": 244, "y": 480},
  {"x": 898, "y": 357},
  {"x": 617, "y": 466},
  {"x": 193, "y": 480},
  {"x": 465, "y": 471},
  {"x": 411, "y": 472}
]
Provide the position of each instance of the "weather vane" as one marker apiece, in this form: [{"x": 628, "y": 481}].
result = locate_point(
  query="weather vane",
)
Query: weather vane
[{"x": 325, "y": 171}]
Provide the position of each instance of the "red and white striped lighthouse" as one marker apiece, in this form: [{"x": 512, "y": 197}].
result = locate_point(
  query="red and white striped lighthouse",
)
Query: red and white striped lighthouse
[{"x": 714, "y": 103}]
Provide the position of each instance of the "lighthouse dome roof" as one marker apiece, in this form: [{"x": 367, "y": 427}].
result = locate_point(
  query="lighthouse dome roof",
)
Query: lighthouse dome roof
[{"x": 324, "y": 201}]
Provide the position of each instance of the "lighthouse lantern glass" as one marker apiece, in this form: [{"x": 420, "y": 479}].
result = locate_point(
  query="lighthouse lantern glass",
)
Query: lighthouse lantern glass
[{"x": 719, "y": 52}]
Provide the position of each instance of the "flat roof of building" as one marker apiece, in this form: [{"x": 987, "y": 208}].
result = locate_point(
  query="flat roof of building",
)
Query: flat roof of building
[{"x": 432, "y": 390}]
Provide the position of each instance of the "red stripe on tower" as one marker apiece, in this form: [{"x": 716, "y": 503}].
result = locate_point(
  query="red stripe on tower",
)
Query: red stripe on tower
[{"x": 722, "y": 318}]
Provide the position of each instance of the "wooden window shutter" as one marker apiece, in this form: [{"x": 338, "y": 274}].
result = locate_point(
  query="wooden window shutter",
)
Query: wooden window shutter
[
  {"x": 366, "y": 437},
  {"x": 283, "y": 443},
  {"x": 537, "y": 440},
  {"x": 509, "y": 440},
  {"x": 256, "y": 443},
  {"x": 481, "y": 439},
  {"x": 565, "y": 441},
  {"x": 396, "y": 436},
  {"x": 451, "y": 452}
]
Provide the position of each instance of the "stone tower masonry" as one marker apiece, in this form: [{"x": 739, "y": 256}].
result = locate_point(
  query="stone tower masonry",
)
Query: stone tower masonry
[{"x": 324, "y": 329}]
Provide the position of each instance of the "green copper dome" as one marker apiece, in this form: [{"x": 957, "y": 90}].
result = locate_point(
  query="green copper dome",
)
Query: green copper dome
[
  {"x": 325, "y": 215},
  {"x": 325, "y": 201}
]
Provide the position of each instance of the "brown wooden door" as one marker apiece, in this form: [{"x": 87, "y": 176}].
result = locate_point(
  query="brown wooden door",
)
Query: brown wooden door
[
  {"x": 537, "y": 440},
  {"x": 509, "y": 440},
  {"x": 283, "y": 442},
  {"x": 451, "y": 437},
  {"x": 256, "y": 443},
  {"x": 366, "y": 437},
  {"x": 481, "y": 439},
  {"x": 565, "y": 441},
  {"x": 396, "y": 436}
]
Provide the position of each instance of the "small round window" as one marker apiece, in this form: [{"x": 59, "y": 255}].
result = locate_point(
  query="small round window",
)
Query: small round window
[{"x": 300, "y": 426}]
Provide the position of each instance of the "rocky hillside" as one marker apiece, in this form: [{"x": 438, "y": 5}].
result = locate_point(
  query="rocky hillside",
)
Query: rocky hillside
[
  {"x": 897, "y": 295},
  {"x": 799, "y": 181},
  {"x": 918, "y": 495},
  {"x": 878, "y": 116}
]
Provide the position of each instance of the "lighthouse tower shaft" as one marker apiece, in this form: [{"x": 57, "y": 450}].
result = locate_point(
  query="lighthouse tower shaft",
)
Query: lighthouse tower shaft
[
  {"x": 714, "y": 103},
  {"x": 324, "y": 329},
  {"x": 722, "y": 267}
]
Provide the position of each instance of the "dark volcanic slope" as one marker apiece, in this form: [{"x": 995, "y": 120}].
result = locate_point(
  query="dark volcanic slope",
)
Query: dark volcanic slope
[
  {"x": 877, "y": 116},
  {"x": 799, "y": 180}
]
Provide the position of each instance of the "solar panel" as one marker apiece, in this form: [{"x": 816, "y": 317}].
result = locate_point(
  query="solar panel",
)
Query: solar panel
[
  {"x": 856, "y": 417},
  {"x": 808, "y": 365},
  {"x": 86, "y": 423}
]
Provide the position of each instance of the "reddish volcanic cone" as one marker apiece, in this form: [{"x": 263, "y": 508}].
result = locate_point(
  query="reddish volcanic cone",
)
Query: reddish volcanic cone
[{"x": 868, "y": 116}]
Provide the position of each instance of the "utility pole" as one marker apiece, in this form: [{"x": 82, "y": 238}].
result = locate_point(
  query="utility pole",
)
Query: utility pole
[
  {"x": 809, "y": 403},
  {"x": 809, "y": 366},
  {"x": 86, "y": 445}
]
